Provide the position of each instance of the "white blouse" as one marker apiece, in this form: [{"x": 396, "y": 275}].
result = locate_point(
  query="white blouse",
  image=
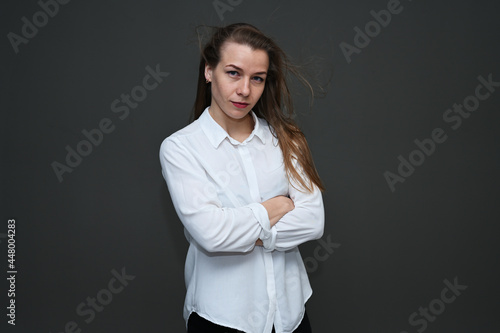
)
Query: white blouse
[{"x": 217, "y": 184}]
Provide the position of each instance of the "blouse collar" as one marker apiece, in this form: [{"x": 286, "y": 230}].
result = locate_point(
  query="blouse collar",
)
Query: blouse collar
[{"x": 216, "y": 134}]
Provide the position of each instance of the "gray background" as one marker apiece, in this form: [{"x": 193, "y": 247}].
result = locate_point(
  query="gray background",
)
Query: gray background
[{"x": 393, "y": 249}]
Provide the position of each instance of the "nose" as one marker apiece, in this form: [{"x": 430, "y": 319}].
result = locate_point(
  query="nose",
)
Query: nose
[{"x": 244, "y": 87}]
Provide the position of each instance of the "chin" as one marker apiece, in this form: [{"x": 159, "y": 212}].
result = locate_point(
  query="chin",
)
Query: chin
[
  {"x": 236, "y": 113},
  {"x": 237, "y": 116}
]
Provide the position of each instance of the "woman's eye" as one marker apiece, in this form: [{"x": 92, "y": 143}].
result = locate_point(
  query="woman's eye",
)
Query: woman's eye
[
  {"x": 232, "y": 73},
  {"x": 258, "y": 79}
]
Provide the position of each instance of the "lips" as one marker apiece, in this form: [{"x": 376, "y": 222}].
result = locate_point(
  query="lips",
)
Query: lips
[{"x": 240, "y": 105}]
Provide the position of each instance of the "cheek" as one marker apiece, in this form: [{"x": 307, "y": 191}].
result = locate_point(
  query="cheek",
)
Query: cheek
[
  {"x": 216, "y": 90},
  {"x": 259, "y": 92},
  {"x": 222, "y": 89}
]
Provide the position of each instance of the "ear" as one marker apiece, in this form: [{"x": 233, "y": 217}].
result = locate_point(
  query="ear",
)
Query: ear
[{"x": 208, "y": 73}]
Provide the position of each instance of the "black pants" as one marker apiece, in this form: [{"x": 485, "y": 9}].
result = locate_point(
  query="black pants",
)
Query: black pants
[{"x": 197, "y": 324}]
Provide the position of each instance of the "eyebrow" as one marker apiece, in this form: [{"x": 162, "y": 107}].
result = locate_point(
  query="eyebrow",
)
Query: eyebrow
[{"x": 240, "y": 69}]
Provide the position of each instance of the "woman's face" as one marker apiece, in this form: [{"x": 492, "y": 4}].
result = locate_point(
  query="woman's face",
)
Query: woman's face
[{"x": 238, "y": 80}]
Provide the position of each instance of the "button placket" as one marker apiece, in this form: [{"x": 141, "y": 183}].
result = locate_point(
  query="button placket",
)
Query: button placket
[{"x": 251, "y": 176}]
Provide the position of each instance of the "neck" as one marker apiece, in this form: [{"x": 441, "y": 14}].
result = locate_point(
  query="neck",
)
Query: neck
[{"x": 238, "y": 129}]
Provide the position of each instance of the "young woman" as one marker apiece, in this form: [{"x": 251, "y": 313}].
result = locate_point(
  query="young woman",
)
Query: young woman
[{"x": 244, "y": 185}]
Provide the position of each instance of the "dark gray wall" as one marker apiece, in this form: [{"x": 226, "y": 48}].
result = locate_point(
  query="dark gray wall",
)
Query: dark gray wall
[{"x": 392, "y": 252}]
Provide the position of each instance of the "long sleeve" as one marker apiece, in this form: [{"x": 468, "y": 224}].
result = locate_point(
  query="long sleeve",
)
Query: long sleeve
[
  {"x": 214, "y": 227},
  {"x": 304, "y": 223}
]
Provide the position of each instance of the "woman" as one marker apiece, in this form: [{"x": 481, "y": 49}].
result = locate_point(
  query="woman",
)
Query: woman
[{"x": 244, "y": 185}]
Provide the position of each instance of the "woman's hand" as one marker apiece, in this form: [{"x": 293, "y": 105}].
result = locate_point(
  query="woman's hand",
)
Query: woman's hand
[{"x": 277, "y": 207}]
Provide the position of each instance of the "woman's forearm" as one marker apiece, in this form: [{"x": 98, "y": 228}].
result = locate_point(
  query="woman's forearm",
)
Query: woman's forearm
[{"x": 277, "y": 207}]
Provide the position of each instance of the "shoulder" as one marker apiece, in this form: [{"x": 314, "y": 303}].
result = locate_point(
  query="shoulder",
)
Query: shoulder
[{"x": 181, "y": 141}]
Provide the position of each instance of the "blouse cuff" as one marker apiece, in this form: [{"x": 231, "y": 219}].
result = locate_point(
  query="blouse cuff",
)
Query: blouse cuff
[
  {"x": 267, "y": 234},
  {"x": 269, "y": 239}
]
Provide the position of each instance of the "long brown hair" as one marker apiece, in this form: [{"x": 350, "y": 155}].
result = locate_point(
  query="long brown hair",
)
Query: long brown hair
[{"x": 275, "y": 105}]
